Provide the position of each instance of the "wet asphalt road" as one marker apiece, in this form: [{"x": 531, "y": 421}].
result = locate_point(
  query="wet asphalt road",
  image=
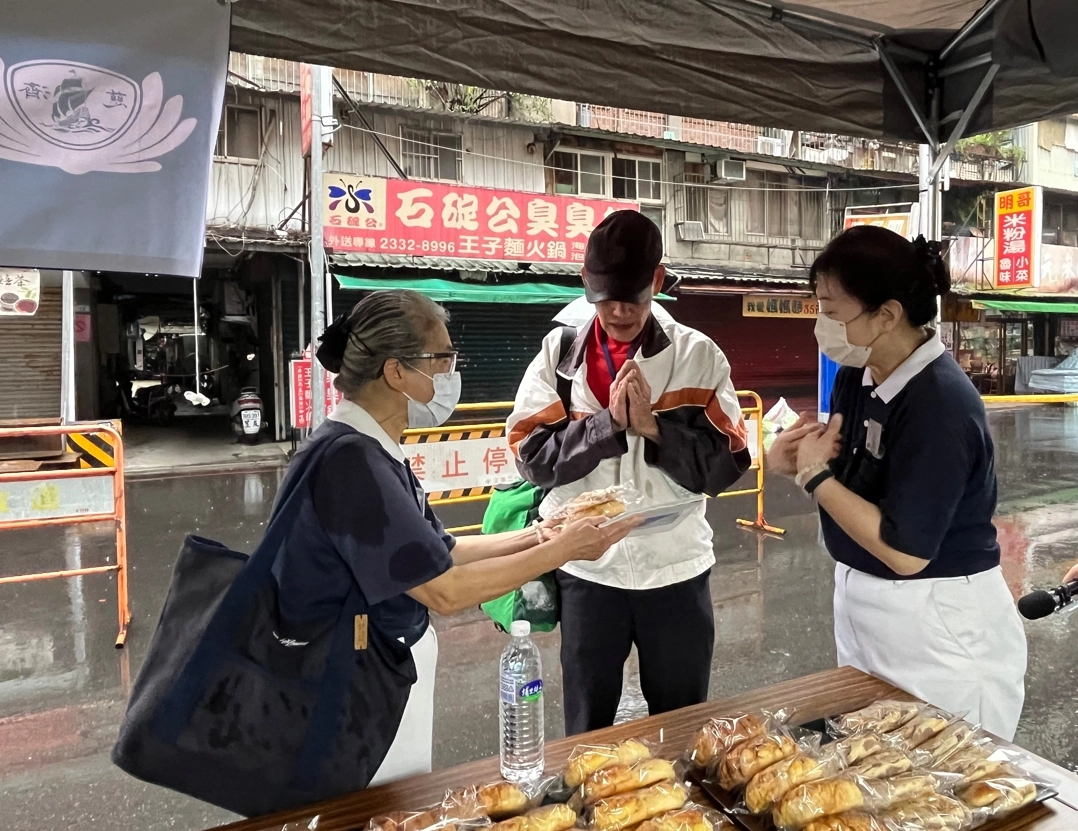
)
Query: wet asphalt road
[{"x": 62, "y": 683}]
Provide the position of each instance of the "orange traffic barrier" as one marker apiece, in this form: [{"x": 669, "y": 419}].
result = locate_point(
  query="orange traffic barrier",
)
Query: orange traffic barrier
[
  {"x": 458, "y": 432},
  {"x": 37, "y": 499}
]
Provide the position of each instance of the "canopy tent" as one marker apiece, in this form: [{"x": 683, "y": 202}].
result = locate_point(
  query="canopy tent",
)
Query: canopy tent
[{"x": 875, "y": 68}]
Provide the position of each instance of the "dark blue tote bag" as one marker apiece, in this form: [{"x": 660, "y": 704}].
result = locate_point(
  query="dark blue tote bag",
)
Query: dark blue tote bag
[{"x": 239, "y": 708}]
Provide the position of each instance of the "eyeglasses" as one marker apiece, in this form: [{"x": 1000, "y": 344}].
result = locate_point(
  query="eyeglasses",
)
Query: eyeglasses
[{"x": 455, "y": 359}]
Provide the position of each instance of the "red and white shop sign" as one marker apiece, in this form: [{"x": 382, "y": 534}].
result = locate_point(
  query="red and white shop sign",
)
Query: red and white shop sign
[
  {"x": 1018, "y": 238},
  {"x": 368, "y": 214},
  {"x": 300, "y": 393}
]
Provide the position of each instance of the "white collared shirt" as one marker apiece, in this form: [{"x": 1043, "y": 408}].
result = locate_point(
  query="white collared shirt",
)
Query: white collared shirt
[
  {"x": 350, "y": 413},
  {"x": 921, "y": 357}
]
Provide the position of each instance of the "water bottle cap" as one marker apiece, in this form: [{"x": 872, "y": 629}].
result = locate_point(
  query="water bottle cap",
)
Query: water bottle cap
[{"x": 520, "y": 629}]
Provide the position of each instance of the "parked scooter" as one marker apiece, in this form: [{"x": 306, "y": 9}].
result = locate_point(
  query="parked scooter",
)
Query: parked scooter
[
  {"x": 247, "y": 415},
  {"x": 146, "y": 400}
]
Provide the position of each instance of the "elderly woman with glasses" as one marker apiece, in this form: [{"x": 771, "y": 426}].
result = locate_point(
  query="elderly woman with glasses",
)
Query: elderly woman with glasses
[{"x": 369, "y": 524}]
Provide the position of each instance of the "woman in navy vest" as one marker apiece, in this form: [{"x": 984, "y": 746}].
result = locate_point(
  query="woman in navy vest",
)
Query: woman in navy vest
[
  {"x": 904, "y": 476},
  {"x": 371, "y": 524}
]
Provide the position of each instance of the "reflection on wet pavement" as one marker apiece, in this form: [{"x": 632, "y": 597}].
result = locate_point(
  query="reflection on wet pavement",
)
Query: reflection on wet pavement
[{"x": 62, "y": 684}]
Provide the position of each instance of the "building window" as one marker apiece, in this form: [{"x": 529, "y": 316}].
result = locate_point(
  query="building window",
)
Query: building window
[
  {"x": 582, "y": 174},
  {"x": 239, "y": 135},
  {"x": 655, "y": 214},
  {"x": 638, "y": 179},
  {"x": 426, "y": 155}
]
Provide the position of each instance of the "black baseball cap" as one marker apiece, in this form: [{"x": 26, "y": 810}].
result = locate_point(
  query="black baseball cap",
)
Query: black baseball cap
[{"x": 620, "y": 261}]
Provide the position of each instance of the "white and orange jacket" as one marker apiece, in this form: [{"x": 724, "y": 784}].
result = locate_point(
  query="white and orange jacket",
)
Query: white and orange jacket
[{"x": 704, "y": 447}]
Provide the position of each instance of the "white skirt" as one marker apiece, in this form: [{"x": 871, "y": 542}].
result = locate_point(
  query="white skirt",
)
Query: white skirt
[
  {"x": 955, "y": 642},
  {"x": 412, "y": 748}
]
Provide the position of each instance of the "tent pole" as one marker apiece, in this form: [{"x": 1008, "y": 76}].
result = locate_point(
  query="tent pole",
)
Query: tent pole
[
  {"x": 964, "y": 118},
  {"x": 198, "y": 369},
  {"x": 317, "y": 254},
  {"x": 971, "y": 26},
  {"x": 67, "y": 351}
]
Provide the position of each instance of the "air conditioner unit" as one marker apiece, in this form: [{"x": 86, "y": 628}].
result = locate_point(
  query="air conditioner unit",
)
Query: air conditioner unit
[
  {"x": 689, "y": 231},
  {"x": 768, "y": 146},
  {"x": 731, "y": 170},
  {"x": 670, "y": 135}
]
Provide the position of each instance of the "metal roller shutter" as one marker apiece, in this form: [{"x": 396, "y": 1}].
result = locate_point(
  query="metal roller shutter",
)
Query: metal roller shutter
[
  {"x": 499, "y": 340},
  {"x": 30, "y": 360},
  {"x": 770, "y": 356}
]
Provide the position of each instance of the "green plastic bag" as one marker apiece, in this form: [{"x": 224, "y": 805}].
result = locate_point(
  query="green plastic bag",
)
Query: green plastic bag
[{"x": 513, "y": 508}]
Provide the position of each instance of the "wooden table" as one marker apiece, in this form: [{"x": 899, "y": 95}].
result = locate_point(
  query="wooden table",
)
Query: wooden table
[{"x": 812, "y": 697}]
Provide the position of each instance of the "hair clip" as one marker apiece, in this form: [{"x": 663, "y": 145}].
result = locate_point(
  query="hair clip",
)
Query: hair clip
[{"x": 332, "y": 344}]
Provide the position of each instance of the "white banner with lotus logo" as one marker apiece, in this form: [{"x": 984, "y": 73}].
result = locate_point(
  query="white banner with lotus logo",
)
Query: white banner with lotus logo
[{"x": 108, "y": 117}]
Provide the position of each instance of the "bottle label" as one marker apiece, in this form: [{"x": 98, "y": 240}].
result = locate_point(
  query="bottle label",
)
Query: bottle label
[
  {"x": 508, "y": 691},
  {"x": 532, "y": 691}
]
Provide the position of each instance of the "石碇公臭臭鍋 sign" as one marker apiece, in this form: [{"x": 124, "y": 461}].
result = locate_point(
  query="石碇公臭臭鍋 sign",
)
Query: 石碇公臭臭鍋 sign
[{"x": 368, "y": 214}]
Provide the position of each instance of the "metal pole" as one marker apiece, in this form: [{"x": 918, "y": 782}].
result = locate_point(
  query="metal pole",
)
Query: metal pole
[
  {"x": 198, "y": 373},
  {"x": 67, "y": 352},
  {"x": 318, "y": 250}
]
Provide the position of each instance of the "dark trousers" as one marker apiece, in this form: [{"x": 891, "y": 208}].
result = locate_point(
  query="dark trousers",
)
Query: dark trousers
[{"x": 674, "y": 632}]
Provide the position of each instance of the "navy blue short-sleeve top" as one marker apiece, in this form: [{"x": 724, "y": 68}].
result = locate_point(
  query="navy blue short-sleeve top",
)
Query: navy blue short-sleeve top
[
  {"x": 925, "y": 457},
  {"x": 368, "y": 522}
]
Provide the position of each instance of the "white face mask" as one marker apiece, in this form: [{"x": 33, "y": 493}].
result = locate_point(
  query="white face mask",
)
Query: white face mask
[
  {"x": 831, "y": 335},
  {"x": 437, "y": 411}
]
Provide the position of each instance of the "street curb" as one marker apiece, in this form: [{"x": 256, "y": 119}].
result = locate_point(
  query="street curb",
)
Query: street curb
[{"x": 236, "y": 466}]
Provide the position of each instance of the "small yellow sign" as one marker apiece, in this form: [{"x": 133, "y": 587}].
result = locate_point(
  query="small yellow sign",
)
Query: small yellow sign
[
  {"x": 4, "y": 509},
  {"x": 45, "y": 498},
  {"x": 778, "y": 305}
]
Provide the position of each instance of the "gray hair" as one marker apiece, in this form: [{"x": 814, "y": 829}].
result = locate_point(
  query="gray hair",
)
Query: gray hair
[{"x": 392, "y": 323}]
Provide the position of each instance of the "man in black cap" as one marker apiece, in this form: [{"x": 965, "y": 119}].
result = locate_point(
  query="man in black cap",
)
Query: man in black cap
[{"x": 652, "y": 409}]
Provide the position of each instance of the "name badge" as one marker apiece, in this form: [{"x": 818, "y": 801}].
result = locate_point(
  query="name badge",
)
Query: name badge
[{"x": 874, "y": 439}]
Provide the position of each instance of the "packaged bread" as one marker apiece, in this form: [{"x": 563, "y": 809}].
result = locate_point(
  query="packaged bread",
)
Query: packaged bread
[
  {"x": 934, "y": 812},
  {"x": 547, "y": 818},
  {"x": 586, "y": 760},
  {"x": 971, "y": 764},
  {"x": 880, "y": 717},
  {"x": 618, "y": 812},
  {"x": 855, "y": 748},
  {"x": 999, "y": 796},
  {"x": 814, "y": 800},
  {"x": 848, "y": 821},
  {"x": 610, "y": 781},
  {"x": 918, "y": 731},
  {"x": 881, "y": 794},
  {"x": 950, "y": 741},
  {"x": 884, "y": 765},
  {"x": 496, "y": 801},
  {"x": 769, "y": 786},
  {"x": 433, "y": 820},
  {"x": 686, "y": 819},
  {"x": 745, "y": 760},
  {"x": 606, "y": 502},
  {"x": 715, "y": 738}
]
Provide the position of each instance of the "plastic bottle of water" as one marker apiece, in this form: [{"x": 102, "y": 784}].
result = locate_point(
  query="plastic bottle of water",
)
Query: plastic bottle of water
[{"x": 521, "y": 707}]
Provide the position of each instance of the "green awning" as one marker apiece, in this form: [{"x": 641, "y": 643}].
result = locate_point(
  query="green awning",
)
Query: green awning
[
  {"x": 461, "y": 292},
  {"x": 1027, "y": 306}
]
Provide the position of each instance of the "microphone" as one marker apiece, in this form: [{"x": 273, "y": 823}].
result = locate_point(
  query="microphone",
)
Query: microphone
[{"x": 1042, "y": 603}]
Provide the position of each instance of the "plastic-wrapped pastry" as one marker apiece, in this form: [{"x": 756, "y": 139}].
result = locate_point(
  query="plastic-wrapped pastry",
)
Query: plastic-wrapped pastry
[
  {"x": 884, "y": 765},
  {"x": 770, "y": 785},
  {"x": 881, "y": 794},
  {"x": 433, "y": 820},
  {"x": 855, "y": 748},
  {"x": 625, "y": 810},
  {"x": 586, "y": 760},
  {"x": 814, "y": 800},
  {"x": 747, "y": 759},
  {"x": 929, "y": 813},
  {"x": 1000, "y": 795},
  {"x": 848, "y": 821},
  {"x": 881, "y": 717},
  {"x": 616, "y": 779},
  {"x": 971, "y": 764},
  {"x": 501, "y": 800},
  {"x": 715, "y": 738},
  {"x": 547, "y": 818},
  {"x": 920, "y": 730},
  {"x": 950, "y": 741},
  {"x": 687, "y": 819}
]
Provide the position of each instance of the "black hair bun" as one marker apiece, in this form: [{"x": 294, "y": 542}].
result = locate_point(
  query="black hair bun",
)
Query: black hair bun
[
  {"x": 332, "y": 343},
  {"x": 930, "y": 255}
]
